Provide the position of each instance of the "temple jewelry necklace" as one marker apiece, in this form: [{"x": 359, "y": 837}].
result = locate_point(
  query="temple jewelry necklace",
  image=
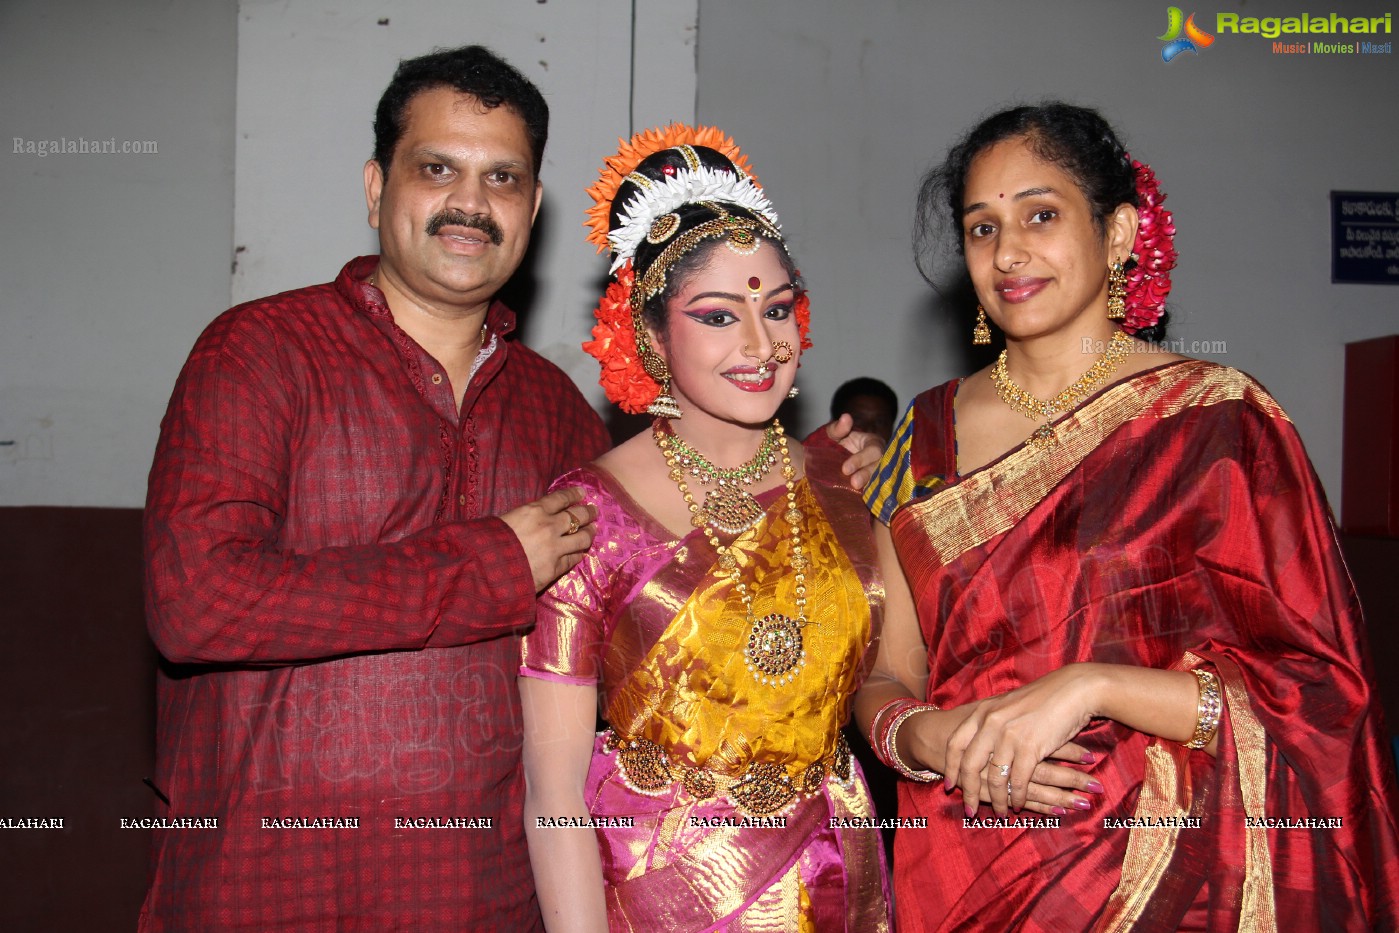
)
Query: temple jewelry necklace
[
  {"x": 1035, "y": 408},
  {"x": 774, "y": 653},
  {"x": 729, "y": 507}
]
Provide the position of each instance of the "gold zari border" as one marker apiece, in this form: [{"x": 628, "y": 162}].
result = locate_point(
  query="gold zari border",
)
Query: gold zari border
[{"x": 992, "y": 500}]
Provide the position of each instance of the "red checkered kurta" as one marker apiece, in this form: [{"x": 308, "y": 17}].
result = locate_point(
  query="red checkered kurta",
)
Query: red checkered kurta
[{"x": 339, "y": 614}]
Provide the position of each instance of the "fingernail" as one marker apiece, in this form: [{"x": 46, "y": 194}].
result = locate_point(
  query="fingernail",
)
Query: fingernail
[
  {"x": 1082, "y": 804},
  {"x": 969, "y": 811},
  {"x": 1059, "y": 811},
  {"x": 1088, "y": 758},
  {"x": 1093, "y": 787}
]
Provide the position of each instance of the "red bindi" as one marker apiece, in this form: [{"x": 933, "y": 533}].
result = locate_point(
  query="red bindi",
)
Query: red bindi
[{"x": 754, "y": 283}]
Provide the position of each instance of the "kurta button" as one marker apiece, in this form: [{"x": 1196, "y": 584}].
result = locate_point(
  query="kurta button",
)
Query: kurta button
[
  {"x": 461, "y": 500},
  {"x": 437, "y": 379}
]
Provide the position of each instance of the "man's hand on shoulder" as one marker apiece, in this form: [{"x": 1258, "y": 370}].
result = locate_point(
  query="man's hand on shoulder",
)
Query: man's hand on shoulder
[
  {"x": 865, "y": 450},
  {"x": 555, "y": 531}
]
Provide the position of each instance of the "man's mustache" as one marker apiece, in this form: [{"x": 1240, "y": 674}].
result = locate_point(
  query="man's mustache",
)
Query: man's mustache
[{"x": 455, "y": 218}]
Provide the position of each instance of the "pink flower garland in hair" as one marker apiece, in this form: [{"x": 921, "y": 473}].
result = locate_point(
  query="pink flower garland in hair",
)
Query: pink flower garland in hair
[{"x": 1149, "y": 282}]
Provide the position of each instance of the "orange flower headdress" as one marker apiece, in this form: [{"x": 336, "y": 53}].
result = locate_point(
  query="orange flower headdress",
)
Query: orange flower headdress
[{"x": 705, "y": 190}]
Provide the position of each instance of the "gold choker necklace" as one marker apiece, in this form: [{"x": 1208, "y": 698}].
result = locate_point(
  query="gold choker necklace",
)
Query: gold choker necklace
[
  {"x": 774, "y": 652},
  {"x": 1036, "y": 408},
  {"x": 728, "y": 506}
]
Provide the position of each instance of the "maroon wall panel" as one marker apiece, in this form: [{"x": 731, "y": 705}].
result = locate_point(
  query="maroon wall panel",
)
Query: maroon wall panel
[
  {"x": 1370, "y": 449},
  {"x": 77, "y": 682}
]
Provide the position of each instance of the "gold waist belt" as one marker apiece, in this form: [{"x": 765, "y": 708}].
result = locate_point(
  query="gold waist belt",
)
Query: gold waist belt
[{"x": 762, "y": 789}]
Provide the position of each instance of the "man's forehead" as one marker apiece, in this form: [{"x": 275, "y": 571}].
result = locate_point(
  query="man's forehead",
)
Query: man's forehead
[
  {"x": 445, "y": 99},
  {"x": 442, "y": 112}
]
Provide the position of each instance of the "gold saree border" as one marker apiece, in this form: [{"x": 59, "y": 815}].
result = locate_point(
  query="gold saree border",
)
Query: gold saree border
[
  {"x": 1258, "y": 910},
  {"x": 1167, "y": 792},
  {"x": 714, "y": 878},
  {"x": 991, "y": 500}
]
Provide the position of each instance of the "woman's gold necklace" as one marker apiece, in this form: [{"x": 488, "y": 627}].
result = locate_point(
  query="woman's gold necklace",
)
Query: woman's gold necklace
[
  {"x": 775, "y": 652},
  {"x": 728, "y": 506},
  {"x": 1036, "y": 408}
]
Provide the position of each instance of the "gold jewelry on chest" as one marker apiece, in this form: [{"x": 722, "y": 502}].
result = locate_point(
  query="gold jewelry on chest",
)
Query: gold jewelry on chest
[
  {"x": 1036, "y": 408},
  {"x": 775, "y": 651}
]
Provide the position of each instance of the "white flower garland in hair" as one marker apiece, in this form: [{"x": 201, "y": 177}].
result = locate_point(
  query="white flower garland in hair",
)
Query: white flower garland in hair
[{"x": 684, "y": 187}]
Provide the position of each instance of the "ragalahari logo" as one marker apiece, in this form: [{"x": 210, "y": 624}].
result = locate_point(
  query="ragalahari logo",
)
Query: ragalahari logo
[{"x": 1194, "y": 39}]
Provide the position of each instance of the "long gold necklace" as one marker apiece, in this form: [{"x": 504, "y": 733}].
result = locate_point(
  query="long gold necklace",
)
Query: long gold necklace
[
  {"x": 774, "y": 652},
  {"x": 1036, "y": 408},
  {"x": 729, "y": 507}
]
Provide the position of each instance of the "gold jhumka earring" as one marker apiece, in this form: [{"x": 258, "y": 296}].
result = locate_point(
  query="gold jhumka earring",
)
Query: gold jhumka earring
[
  {"x": 981, "y": 333},
  {"x": 1117, "y": 292}
]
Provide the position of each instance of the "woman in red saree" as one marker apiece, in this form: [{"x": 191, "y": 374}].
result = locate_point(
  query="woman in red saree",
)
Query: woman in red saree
[{"x": 1148, "y": 585}]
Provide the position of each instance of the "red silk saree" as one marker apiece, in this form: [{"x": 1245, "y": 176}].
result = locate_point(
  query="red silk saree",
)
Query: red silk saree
[{"x": 1177, "y": 524}]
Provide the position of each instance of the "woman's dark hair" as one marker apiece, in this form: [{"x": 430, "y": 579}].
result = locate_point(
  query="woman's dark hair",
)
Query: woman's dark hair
[
  {"x": 1076, "y": 139},
  {"x": 471, "y": 69}
]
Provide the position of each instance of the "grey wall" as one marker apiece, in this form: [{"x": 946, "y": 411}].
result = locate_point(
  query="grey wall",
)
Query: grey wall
[
  {"x": 842, "y": 107},
  {"x": 113, "y": 263},
  {"x": 110, "y": 264},
  {"x": 310, "y": 74}
]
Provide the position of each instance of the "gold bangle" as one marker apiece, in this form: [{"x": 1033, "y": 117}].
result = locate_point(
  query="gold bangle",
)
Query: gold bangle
[
  {"x": 891, "y": 746},
  {"x": 1211, "y": 705}
]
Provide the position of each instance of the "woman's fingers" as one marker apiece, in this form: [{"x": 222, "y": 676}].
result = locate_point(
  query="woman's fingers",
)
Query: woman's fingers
[
  {"x": 1049, "y": 799},
  {"x": 1072, "y": 751},
  {"x": 1046, "y": 787},
  {"x": 1071, "y": 779},
  {"x": 969, "y": 756}
]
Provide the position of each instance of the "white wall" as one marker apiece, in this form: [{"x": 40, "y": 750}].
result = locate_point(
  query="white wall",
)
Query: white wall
[
  {"x": 310, "y": 75},
  {"x": 110, "y": 264},
  {"x": 843, "y": 106}
]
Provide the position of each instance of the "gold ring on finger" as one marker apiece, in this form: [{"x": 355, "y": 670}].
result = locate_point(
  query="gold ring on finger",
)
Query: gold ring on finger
[{"x": 573, "y": 523}]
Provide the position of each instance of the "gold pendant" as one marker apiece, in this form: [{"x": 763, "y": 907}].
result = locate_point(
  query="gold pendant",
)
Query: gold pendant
[
  {"x": 774, "y": 651},
  {"x": 1044, "y": 437},
  {"x": 730, "y": 509}
]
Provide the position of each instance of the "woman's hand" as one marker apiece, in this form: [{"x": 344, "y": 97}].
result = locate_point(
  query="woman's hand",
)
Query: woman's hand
[
  {"x": 997, "y": 753},
  {"x": 1051, "y": 789}
]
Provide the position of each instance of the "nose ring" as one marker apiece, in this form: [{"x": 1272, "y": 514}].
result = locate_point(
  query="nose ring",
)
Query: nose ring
[
  {"x": 762, "y": 364},
  {"x": 782, "y": 351}
]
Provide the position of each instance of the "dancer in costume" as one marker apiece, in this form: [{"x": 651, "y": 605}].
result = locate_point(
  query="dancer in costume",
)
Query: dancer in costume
[
  {"x": 1128, "y": 551},
  {"x": 725, "y": 614}
]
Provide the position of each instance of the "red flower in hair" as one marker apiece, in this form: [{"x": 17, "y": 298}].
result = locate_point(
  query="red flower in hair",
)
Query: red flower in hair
[
  {"x": 623, "y": 378},
  {"x": 802, "y": 309},
  {"x": 1149, "y": 281}
]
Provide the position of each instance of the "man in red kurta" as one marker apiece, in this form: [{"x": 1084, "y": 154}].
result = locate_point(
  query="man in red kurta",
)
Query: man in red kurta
[{"x": 342, "y": 552}]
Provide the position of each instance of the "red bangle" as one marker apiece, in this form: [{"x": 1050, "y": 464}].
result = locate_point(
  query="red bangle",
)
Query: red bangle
[
  {"x": 884, "y": 732},
  {"x": 879, "y": 714}
]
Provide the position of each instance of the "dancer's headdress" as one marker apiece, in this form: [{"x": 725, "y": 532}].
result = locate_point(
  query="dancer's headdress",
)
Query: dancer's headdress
[{"x": 663, "y": 193}]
